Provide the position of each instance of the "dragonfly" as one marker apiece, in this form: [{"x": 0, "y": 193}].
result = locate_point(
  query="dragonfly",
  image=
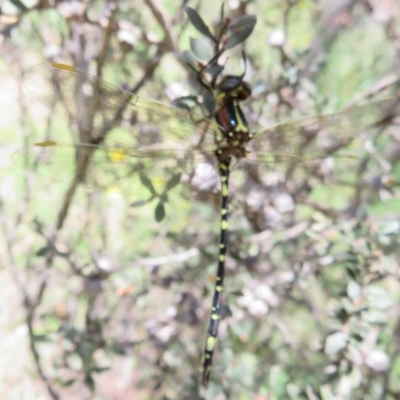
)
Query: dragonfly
[{"x": 119, "y": 134}]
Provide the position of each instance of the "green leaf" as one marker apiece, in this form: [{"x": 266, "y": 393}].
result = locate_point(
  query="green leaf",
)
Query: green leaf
[
  {"x": 118, "y": 349},
  {"x": 65, "y": 383},
  {"x": 278, "y": 380},
  {"x": 42, "y": 252},
  {"x": 335, "y": 343},
  {"x": 138, "y": 203},
  {"x": 174, "y": 181},
  {"x": 354, "y": 290},
  {"x": 390, "y": 228},
  {"x": 214, "y": 70},
  {"x": 378, "y": 297},
  {"x": 201, "y": 49},
  {"x": 189, "y": 58},
  {"x": 20, "y": 5},
  {"x": 159, "y": 212},
  {"x": 209, "y": 102},
  {"x": 146, "y": 182},
  {"x": 89, "y": 382},
  {"x": 100, "y": 369},
  {"x": 243, "y": 23},
  {"x": 198, "y": 23},
  {"x": 241, "y": 30},
  {"x": 185, "y": 102}
]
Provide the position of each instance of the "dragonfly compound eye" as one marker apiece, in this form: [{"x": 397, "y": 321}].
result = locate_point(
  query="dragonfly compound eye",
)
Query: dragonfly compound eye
[{"x": 235, "y": 86}]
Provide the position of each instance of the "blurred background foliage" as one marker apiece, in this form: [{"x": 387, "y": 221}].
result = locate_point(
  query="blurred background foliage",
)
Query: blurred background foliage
[{"x": 114, "y": 305}]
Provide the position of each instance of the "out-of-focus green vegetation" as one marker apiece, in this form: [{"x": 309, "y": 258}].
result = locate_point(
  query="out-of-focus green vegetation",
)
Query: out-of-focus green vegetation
[{"x": 114, "y": 305}]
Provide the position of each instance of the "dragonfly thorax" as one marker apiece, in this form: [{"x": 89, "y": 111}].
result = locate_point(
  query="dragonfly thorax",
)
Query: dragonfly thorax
[{"x": 231, "y": 128}]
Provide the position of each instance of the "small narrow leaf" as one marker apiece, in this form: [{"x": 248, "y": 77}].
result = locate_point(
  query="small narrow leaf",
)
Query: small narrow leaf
[
  {"x": 241, "y": 30},
  {"x": 89, "y": 382},
  {"x": 243, "y": 23},
  {"x": 185, "y": 102},
  {"x": 146, "y": 182},
  {"x": 354, "y": 290},
  {"x": 175, "y": 180},
  {"x": 214, "y": 70},
  {"x": 20, "y": 5},
  {"x": 209, "y": 102},
  {"x": 378, "y": 297},
  {"x": 118, "y": 349},
  {"x": 198, "y": 23},
  {"x": 159, "y": 212},
  {"x": 42, "y": 251},
  {"x": 98, "y": 370},
  {"x": 189, "y": 58},
  {"x": 390, "y": 227},
  {"x": 201, "y": 49},
  {"x": 335, "y": 342},
  {"x": 65, "y": 383},
  {"x": 138, "y": 203}
]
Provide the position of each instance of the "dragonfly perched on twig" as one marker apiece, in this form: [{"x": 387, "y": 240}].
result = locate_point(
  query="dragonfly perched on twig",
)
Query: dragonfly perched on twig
[{"x": 121, "y": 134}]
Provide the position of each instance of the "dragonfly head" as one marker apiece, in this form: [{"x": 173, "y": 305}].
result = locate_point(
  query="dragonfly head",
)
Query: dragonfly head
[{"x": 234, "y": 86}]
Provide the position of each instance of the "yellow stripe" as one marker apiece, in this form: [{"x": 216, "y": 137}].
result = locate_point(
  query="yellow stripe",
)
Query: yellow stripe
[
  {"x": 225, "y": 190},
  {"x": 221, "y": 258},
  {"x": 218, "y": 133},
  {"x": 45, "y": 144},
  {"x": 210, "y": 343},
  {"x": 241, "y": 126},
  {"x": 224, "y": 225},
  {"x": 63, "y": 66}
]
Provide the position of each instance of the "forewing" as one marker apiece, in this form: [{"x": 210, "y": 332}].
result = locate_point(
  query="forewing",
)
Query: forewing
[
  {"x": 103, "y": 167},
  {"x": 311, "y": 138},
  {"x": 97, "y": 107},
  {"x": 96, "y": 166}
]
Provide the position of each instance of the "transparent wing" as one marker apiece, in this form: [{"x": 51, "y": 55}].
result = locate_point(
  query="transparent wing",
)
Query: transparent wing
[
  {"x": 310, "y": 138},
  {"x": 97, "y": 166},
  {"x": 97, "y": 107},
  {"x": 120, "y": 133},
  {"x": 103, "y": 167}
]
